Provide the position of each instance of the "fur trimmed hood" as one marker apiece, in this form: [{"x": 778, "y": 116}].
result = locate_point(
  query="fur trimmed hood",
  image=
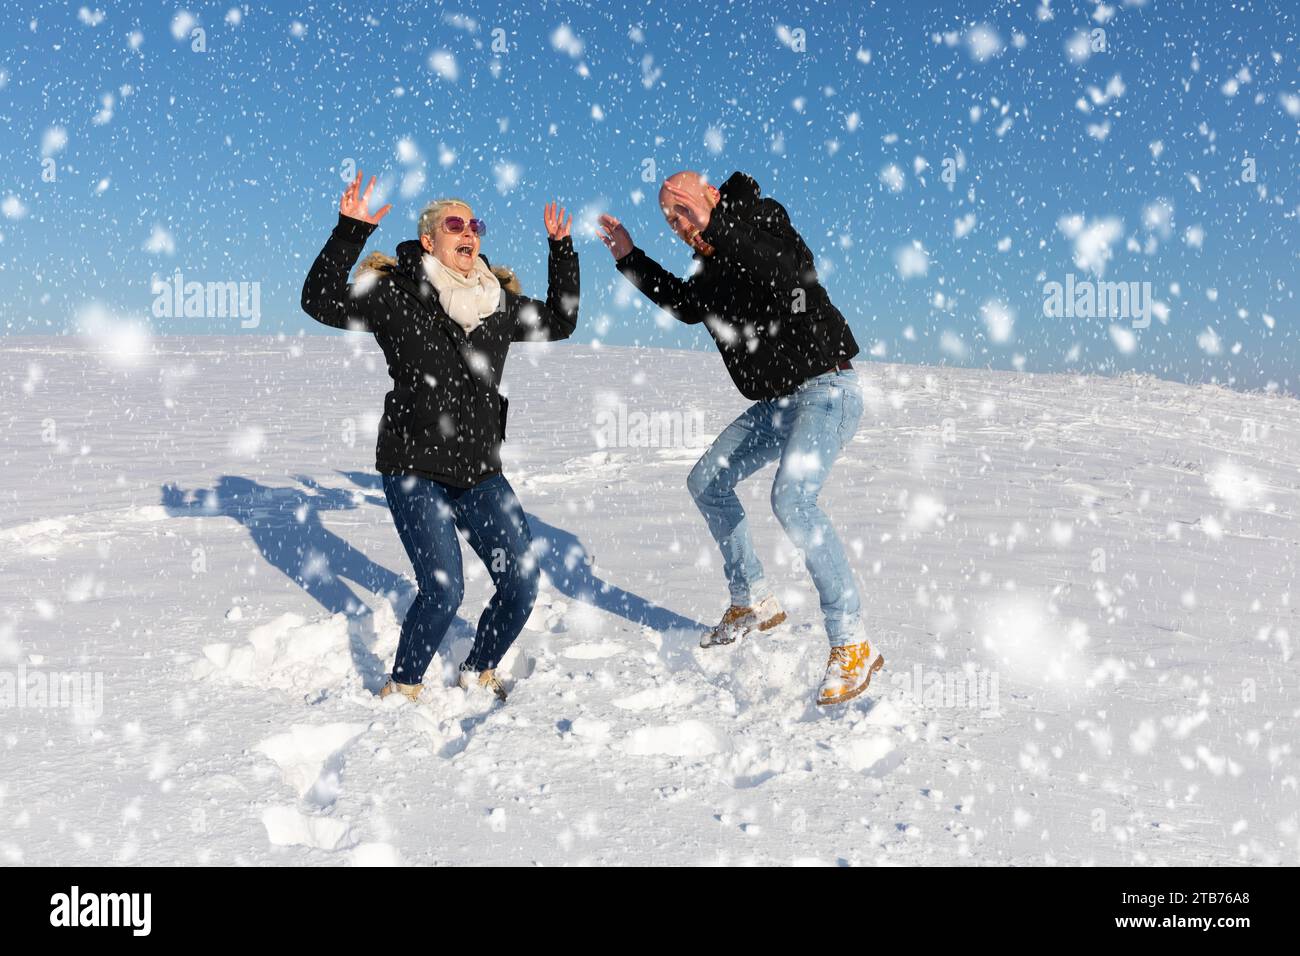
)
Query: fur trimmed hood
[{"x": 407, "y": 261}]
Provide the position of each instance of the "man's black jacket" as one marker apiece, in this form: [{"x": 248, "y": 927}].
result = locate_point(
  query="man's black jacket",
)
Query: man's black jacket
[
  {"x": 758, "y": 295},
  {"x": 444, "y": 418}
]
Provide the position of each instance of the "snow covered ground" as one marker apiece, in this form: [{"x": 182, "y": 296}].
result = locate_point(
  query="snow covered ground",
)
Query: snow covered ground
[{"x": 1083, "y": 589}]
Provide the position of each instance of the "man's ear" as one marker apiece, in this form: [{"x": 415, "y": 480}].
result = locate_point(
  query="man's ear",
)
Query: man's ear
[{"x": 714, "y": 196}]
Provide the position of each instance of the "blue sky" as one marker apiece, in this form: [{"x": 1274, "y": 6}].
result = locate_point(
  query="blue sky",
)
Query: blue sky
[{"x": 129, "y": 154}]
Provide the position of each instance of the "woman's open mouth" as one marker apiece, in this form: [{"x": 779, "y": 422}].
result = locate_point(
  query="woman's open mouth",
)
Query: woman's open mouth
[{"x": 466, "y": 250}]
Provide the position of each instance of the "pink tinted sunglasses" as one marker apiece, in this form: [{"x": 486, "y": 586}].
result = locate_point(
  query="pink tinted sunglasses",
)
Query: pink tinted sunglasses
[{"x": 456, "y": 225}]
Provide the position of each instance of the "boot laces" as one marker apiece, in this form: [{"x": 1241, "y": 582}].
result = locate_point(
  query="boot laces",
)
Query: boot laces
[{"x": 846, "y": 658}]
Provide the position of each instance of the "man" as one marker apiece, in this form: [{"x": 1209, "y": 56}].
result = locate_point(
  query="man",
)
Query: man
[{"x": 788, "y": 349}]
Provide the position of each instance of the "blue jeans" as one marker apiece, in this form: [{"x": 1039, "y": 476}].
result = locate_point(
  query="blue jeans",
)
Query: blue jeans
[
  {"x": 805, "y": 431},
  {"x": 427, "y": 514}
]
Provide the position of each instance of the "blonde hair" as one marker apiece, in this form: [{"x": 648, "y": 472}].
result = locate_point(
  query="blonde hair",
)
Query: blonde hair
[
  {"x": 433, "y": 213},
  {"x": 430, "y": 217}
]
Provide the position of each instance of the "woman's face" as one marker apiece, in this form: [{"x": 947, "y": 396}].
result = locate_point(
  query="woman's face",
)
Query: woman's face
[{"x": 456, "y": 251}]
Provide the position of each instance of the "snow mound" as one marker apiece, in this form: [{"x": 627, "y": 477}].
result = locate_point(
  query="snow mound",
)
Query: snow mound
[
  {"x": 310, "y": 757},
  {"x": 593, "y": 651},
  {"x": 375, "y": 854},
  {"x": 658, "y": 698},
  {"x": 690, "y": 738},
  {"x": 771, "y": 671},
  {"x": 285, "y": 826},
  {"x": 864, "y": 753},
  {"x": 294, "y": 654}
]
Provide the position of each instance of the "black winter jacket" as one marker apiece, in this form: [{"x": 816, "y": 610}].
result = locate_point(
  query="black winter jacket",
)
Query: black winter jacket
[
  {"x": 758, "y": 295},
  {"x": 444, "y": 418}
]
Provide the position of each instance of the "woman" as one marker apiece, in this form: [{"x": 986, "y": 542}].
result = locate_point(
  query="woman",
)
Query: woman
[{"x": 445, "y": 320}]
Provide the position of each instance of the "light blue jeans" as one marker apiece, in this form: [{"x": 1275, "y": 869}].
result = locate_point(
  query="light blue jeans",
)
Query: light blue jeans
[{"x": 805, "y": 431}]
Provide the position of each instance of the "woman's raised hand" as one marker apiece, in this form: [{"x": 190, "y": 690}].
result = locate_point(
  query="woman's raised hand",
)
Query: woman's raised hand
[
  {"x": 557, "y": 227},
  {"x": 615, "y": 236},
  {"x": 355, "y": 204}
]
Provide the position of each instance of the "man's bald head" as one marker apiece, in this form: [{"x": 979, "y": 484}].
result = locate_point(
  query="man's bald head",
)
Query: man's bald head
[
  {"x": 687, "y": 186},
  {"x": 688, "y": 181}
]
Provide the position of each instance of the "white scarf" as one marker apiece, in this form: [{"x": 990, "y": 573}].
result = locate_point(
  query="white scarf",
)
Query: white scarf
[{"x": 467, "y": 299}]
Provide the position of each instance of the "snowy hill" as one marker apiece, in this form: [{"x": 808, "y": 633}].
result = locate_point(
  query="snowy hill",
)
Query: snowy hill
[{"x": 1083, "y": 587}]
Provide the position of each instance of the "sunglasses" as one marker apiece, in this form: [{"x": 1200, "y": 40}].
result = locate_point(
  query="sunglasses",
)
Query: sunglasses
[{"x": 456, "y": 225}]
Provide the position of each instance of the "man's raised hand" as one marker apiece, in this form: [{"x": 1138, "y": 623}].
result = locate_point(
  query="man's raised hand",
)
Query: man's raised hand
[
  {"x": 682, "y": 203},
  {"x": 615, "y": 236},
  {"x": 356, "y": 205}
]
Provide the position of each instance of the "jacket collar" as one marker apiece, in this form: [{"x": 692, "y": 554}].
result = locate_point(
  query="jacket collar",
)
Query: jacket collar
[
  {"x": 738, "y": 195},
  {"x": 409, "y": 256},
  {"x": 408, "y": 275},
  {"x": 408, "y": 259},
  {"x": 737, "y": 198}
]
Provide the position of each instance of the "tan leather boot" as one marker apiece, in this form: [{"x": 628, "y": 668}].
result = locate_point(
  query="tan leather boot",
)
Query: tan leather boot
[
  {"x": 487, "y": 680},
  {"x": 848, "y": 672},
  {"x": 410, "y": 691},
  {"x": 739, "y": 621}
]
